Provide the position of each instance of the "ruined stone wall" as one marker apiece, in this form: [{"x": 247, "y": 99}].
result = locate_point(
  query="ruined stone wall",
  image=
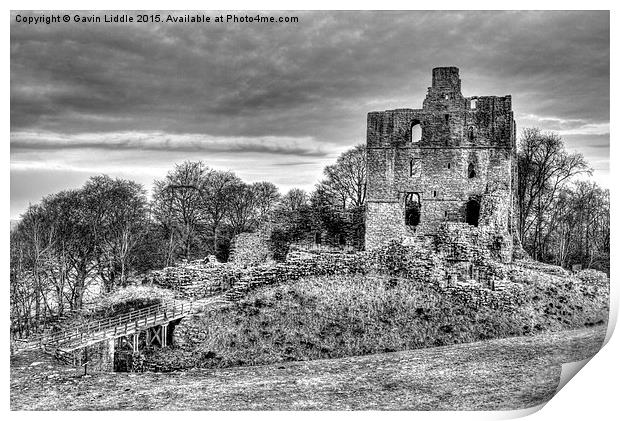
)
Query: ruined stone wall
[
  {"x": 195, "y": 279},
  {"x": 384, "y": 220},
  {"x": 457, "y": 134},
  {"x": 251, "y": 248}
]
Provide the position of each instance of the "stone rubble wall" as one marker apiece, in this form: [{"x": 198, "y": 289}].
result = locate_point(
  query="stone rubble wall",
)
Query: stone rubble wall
[
  {"x": 251, "y": 248},
  {"x": 461, "y": 241},
  {"x": 541, "y": 267},
  {"x": 195, "y": 280},
  {"x": 444, "y": 262},
  {"x": 495, "y": 209}
]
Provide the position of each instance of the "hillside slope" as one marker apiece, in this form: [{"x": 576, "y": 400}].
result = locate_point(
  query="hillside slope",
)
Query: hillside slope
[{"x": 350, "y": 315}]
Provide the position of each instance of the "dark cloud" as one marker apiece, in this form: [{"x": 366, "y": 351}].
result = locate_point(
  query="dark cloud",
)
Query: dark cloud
[
  {"x": 253, "y": 80},
  {"x": 307, "y": 85}
]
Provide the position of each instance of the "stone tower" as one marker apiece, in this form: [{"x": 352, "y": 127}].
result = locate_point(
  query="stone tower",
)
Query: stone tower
[{"x": 451, "y": 161}]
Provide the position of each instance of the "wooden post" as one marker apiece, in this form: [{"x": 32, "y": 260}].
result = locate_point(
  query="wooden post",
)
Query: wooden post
[
  {"x": 135, "y": 342},
  {"x": 110, "y": 355},
  {"x": 164, "y": 334}
]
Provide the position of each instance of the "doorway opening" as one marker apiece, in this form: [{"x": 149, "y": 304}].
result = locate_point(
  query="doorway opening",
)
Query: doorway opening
[{"x": 472, "y": 212}]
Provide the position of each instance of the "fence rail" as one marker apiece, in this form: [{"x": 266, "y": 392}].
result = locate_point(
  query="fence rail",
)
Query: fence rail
[{"x": 123, "y": 324}]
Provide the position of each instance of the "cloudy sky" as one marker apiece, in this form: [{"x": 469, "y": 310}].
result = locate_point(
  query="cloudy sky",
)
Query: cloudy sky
[{"x": 278, "y": 102}]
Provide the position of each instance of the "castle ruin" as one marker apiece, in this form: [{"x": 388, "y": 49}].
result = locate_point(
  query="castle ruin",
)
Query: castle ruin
[{"x": 452, "y": 161}]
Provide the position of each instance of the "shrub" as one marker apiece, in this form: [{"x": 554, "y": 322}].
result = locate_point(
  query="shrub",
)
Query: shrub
[
  {"x": 129, "y": 299},
  {"x": 562, "y": 302},
  {"x": 593, "y": 277}
]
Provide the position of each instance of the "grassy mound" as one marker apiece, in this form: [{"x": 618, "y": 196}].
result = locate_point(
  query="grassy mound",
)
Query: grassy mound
[
  {"x": 556, "y": 302},
  {"x": 338, "y": 316}
]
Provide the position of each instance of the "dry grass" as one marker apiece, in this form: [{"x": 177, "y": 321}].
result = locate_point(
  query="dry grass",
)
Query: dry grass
[
  {"x": 339, "y": 316},
  {"x": 511, "y": 373}
]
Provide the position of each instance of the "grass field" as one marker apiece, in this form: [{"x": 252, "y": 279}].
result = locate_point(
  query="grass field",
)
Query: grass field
[{"x": 502, "y": 374}]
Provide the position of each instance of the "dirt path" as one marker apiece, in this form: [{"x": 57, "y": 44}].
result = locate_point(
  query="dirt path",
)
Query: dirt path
[{"x": 505, "y": 374}]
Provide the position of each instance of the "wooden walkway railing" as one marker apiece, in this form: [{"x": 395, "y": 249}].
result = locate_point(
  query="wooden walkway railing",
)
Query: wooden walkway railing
[{"x": 125, "y": 324}]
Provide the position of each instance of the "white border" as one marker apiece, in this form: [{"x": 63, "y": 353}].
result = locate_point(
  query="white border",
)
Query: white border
[{"x": 592, "y": 395}]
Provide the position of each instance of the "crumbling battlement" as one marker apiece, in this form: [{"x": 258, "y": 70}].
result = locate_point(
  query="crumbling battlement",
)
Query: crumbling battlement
[{"x": 453, "y": 160}]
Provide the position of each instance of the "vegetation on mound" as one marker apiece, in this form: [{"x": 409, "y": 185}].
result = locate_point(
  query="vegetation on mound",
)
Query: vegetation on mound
[
  {"x": 593, "y": 277},
  {"x": 128, "y": 299},
  {"x": 563, "y": 302},
  {"x": 338, "y": 316}
]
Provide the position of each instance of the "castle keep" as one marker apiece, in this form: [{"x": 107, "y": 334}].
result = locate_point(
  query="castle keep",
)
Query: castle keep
[{"x": 451, "y": 161}]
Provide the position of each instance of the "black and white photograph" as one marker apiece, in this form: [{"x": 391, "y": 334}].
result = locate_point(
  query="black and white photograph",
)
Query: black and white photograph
[{"x": 295, "y": 210}]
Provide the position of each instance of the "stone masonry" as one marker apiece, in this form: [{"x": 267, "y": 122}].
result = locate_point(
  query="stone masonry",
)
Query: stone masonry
[{"x": 452, "y": 161}]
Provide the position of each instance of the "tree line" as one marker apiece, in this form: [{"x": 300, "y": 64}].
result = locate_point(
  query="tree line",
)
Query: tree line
[
  {"x": 109, "y": 230},
  {"x": 563, "y": 218}
]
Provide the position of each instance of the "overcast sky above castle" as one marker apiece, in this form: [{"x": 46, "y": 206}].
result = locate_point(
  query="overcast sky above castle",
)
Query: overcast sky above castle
[{"x": 278, "y": 102}]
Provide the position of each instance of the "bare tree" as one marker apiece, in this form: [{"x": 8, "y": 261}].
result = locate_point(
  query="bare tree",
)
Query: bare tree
[
  {"x": 241, "y": 215},
  {"x": 177, "y": 206},
  {"x": 31, "y": 244},
  {"x": 35, "y": 239},
  {"x": 266, "y": 197},
  {"x": 124, "y": 208},
  {"x": 293, "y": 200},
  {"x": 217, "y": 194},
  {"x": 544, "y": 168},
  {"x": 575, "y": 230},
  {"x": 345, "y": 181}
]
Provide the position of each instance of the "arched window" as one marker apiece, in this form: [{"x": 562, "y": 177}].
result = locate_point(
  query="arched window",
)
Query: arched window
[
  {"x": 416, "y": 131},
  {"x": 472, "y": 212},
  {"x": 470, "y": 134},
  {"x": 412, "y": 209},
  {"x": 471, "y": 171}
]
